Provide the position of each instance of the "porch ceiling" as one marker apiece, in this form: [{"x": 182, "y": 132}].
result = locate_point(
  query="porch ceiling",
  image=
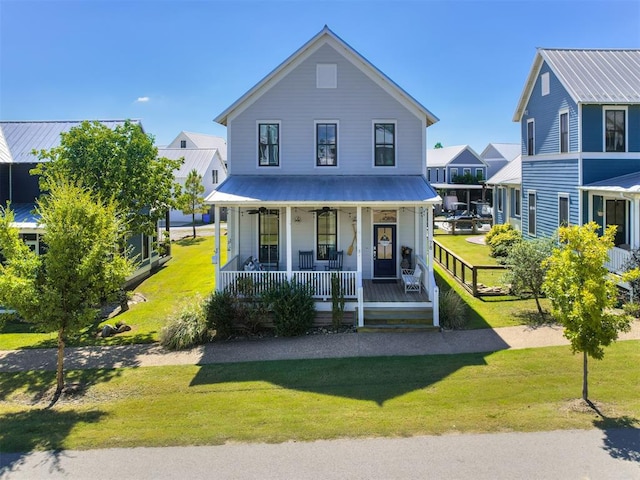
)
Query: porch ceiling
[{"x": 315, "y": 189}]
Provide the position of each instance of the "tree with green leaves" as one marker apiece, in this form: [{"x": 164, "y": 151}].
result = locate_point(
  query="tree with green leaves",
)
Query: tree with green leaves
[
  {"x": 438, "y": 145},
  {"x": 527, "y": 268},
  {"x": 582, "y": 294},
  {"x": 119, "y": 163},
  {"x": 191, "y": 200},
  {"x": 83, "y": 264}
]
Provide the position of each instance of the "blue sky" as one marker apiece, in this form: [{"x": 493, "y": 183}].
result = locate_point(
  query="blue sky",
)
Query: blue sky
[{"x": 177, "y": 64}]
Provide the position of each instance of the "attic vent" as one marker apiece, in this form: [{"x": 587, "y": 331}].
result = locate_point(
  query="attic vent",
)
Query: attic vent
[
  {"x": 326, "y": 75},
  {"x": 544, "y": 83},
  {"x": 183, "y": 144}
]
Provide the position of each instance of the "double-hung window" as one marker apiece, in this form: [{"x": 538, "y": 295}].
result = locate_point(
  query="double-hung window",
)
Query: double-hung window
[
  {"x": 532, "y": 213},
  {"x": 384, "y": 144},
  {"x": 516, "y": 201},
  {"x": 563, "y": 210},
  {"x": 326, "y": 144},
  {"x": 327, "y": 233},
  {"x": 269, "y": 144},
  {"x": 615, "y": 130},
  {"x": 530, "y": 137},
  {"x": 268, "y": 236},
  {"x": 564, "y": 132}
]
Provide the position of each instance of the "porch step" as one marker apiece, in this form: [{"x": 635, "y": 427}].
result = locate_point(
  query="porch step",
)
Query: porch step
[{"x": 397, "y": 319}]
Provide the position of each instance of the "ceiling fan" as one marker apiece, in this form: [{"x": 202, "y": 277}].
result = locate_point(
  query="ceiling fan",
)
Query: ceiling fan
[
  {"x": 253, "y": 211},
  {"x": 321, "y": 211}
]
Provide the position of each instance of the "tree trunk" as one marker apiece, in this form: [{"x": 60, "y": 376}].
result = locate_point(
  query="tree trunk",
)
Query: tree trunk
[
  {"x": 539, "y": 306},
  {"x": 193, "y": 222},
  {"x": 585, "y": 386},
  {"x": 60, "y": 367}
]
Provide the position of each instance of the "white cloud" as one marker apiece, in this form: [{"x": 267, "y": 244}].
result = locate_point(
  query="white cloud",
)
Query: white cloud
[{"x": 142, "y": 99}]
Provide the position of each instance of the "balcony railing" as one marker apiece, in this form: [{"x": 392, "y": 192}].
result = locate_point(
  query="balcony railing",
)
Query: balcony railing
[{"x": 618, "y": 258}]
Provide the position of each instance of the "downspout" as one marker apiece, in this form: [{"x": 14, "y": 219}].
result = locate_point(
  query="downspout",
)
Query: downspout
[{"x": 216, "y": 260}]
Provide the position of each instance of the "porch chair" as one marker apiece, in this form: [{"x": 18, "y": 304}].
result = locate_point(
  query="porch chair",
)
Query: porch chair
[
  {"x": 335, "y": 260},
  {"x": 411, "y": 279},
  {"x": 305, "y": 260}
]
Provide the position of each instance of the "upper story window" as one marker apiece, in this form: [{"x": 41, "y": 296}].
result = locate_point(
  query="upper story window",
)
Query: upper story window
[
  {"x": 615, "y": 130},
  {"x": 453, "y": 173},
  {"x": 183, "y": 144},
  {"x": 326, "y": 144},
  {"x": 564, "y": 132},
  {"x": 563, "y": 210},
  {"x": 269, "y": 144},
  {"x": 479, "y": 174},
  {"x": 214, "y": 176},
  {"x": 466, "y": 171},
  {"x": 544, "y": 84},
  {"x": 530, "y": 137},
  {"x": 428, "y": 174},
  {"x": 385, "y": 144}
]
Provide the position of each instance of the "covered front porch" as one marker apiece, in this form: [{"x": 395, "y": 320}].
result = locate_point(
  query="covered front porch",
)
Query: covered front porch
[{"x": 368, "y": 244}]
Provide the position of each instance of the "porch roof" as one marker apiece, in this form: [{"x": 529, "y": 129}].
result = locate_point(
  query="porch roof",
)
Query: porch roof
[
  {"x": 629, "y": 183},
  {"x": 24, "y": 217},
  {"x": 325, "y": 189}
]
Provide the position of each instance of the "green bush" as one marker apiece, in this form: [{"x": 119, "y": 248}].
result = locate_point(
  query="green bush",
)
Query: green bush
[
  {"x": 453, "y": 310},
  {"x": 186, "y": 329},
  {"x": 292, "y": 306},
  {"x": 500, "y": 239},
  {"x": 221, "y": 312}
]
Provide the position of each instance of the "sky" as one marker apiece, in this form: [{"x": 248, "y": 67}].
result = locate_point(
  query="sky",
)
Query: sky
[{"x": 176, "y": 65}]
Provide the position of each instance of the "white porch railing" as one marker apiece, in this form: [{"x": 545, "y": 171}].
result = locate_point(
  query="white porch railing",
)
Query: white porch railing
[
  {"x": 618, "y": 258},
  {"x": 242, "y": 282}
]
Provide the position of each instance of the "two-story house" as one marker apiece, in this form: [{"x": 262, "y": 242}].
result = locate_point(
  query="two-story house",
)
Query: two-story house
[
  {"x": 206, "y": 154},
  {"x": 580, "y": 118},
  {"x": 326, "y": 175},
  {"x": 18, "y": 141},
  {"x": 458, "y": 173}
]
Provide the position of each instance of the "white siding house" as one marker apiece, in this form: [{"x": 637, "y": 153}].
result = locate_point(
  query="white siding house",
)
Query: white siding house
[{"x": 326, "y": 156}]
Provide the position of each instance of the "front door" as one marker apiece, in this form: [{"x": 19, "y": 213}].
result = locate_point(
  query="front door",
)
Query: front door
[{"x": 384, "y": 251}]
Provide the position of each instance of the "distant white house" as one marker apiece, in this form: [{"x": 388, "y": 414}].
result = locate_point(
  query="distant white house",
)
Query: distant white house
[
  {"x": 497, "y": 155},
  {"x": 204, "y": 153}
]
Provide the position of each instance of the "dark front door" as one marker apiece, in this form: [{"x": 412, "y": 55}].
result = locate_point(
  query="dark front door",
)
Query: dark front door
[{"x": 384, "y": 251}]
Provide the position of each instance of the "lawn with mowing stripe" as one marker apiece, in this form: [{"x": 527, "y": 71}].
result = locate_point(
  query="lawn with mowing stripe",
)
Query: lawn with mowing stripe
[
  {"x": 189, "y": 273},
  {"x": 306, "y": 400}
]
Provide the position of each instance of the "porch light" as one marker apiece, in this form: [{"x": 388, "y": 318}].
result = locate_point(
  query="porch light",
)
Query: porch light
[{"x": 297, "y": 219}]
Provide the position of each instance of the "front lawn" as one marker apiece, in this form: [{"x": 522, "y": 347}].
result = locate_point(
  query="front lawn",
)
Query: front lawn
[
  {"x": 188, "y": 273},
  {"x": 306, "y": 400}
]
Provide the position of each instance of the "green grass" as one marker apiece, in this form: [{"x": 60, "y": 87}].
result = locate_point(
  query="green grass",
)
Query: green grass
[
  {"x": 486, "y": 312},
  {"x": 188, "y": 273},
  {"x": 306, "y": 400}
]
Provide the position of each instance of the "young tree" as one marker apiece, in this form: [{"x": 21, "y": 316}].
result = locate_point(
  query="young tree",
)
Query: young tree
[
  {"x": 581, "y": 293},
  {"x": 118, "y": 163},
  {"x": 191, "y": 200},
  {"x": 526, "y": 268},
  {"x": 82, "y": 266}
]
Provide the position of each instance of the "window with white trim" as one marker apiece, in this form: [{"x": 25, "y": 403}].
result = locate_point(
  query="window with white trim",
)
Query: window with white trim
[
  {"x": 479, "y": 174},
  {"x": 516, "y": 201},
  {"x": 326, "y": 233},
  {"x": 563, "y": 210},
  {"x": 214, "y": 176},
  {"x": 384, "y": 144},
  {"x": 500, "y": 195},
  {"x": 615, "y": 132},
  {"x": 544, "y": 84},
  {"x": 530, "y": 137},
  {"x": 564, "y": 132},
  {"x": 532, "y": 213},
  {"x": 269, "y": 144},
  {"x": 326, "y": 144}
]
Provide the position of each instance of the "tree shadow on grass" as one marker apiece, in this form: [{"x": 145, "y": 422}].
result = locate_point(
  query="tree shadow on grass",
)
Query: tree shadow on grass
[
  {"x": 621, "y": 436},
  {"x": 189, "y": 241},
  {"x": 38, "y": 429},
  {"x": 376, "y": 379}
]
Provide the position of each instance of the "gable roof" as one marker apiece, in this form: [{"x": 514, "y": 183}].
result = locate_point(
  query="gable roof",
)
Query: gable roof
[
  {"x": 325, "y": 36},
  {"x": 498, "y": 151},
  {"x": 19, "y": 139},
  {"x": 441, "y": 157},
  {"x": 629, "y": 183},
  {"x": 202, "y": 140},
  {"x": 194, "y": 158},
  {"x": 588, "y": 75},
  {"x": 510, "y": 174}
]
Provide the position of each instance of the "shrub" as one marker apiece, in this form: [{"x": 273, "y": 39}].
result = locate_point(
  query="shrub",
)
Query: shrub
[
  {"x": 187, "y": 329},
  {"x": 453, "y": 310},
  {"x": 632, "y": 309},
  {"x": 221, "y": 312},
  {"x": 292, "y": 306},
  {"x": 500, "y": 239}
]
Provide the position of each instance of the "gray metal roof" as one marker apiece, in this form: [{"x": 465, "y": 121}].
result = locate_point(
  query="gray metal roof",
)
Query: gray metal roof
[
  {"x": 629, "y": 183},
  {"x": 194, "y": 158},
  {"x": 589, "y": 75},
  {"x": 510, "y": 174},
  {"x": 441, "y": 157},
  {"x": 323, "y": 189},
  {"x": 506, "y": 151},
  {"x": 19, "y": 139},
  {"x": 24, "y": 216}
]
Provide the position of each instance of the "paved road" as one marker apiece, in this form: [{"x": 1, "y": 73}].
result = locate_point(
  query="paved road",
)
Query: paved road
[{"x": 594, "y": 454}]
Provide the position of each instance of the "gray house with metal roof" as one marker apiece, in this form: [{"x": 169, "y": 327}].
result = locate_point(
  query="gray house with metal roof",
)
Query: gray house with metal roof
[
  {"x": 18, "y": 141},
  {"x": 326, "y": 175},
  {"x": 580, "y": 118}
]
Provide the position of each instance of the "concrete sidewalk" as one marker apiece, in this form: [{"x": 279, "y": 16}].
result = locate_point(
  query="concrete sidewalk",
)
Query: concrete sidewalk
[{"x": 307, "y": 347}]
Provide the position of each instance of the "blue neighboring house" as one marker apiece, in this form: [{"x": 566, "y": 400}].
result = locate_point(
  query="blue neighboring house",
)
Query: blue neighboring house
[
  {"x": 507, "y": 194},
  {"x": 579, "y": 114},
  {"x": 18, "y": 140}
]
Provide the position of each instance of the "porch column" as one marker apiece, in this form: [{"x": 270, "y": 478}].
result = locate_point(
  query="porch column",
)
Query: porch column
[
  {"x": 633, "y": 223},
  {"x": 417, "y": 230},
  {"x": 216, "y": 260},
  {"x": 236, "y": 231},
  {"x": 359, "y": 285},
  {"x": 288, "y": 236}
]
